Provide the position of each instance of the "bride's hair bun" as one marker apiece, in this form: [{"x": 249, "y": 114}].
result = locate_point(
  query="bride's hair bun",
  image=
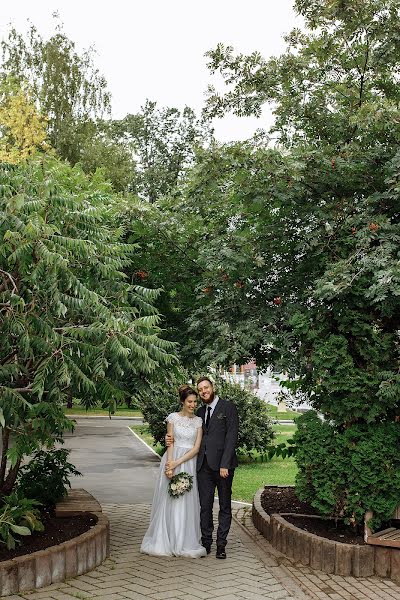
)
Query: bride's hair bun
[
  {"x": 184, "y": 391},
  {"x": 183, "y": 387}
]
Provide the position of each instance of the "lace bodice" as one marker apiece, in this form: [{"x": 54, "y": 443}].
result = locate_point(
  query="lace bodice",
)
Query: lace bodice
[{"x": 185, "y": 429}]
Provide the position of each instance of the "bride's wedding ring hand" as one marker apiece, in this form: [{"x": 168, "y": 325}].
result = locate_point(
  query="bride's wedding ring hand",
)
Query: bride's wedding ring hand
[
  {"x": 171, "y": 465},
  {"x": 169, "y": 473}
]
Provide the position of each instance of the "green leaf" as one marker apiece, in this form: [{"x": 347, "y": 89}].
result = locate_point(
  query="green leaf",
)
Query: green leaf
[{"x": 20, "y": 530}]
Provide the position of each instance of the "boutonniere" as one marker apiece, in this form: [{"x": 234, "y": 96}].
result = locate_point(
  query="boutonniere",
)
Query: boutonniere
[{"x": 221, "y": 416}]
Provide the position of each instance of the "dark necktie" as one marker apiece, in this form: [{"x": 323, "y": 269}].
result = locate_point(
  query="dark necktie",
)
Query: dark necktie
[{"x": 208, "y": 416}]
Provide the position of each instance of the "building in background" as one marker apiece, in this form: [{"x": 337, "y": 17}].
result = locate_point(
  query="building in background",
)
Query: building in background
[{"x": 266, "y": 385}]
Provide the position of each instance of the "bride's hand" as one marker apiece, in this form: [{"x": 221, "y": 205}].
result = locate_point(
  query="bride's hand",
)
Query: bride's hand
[
  {"x": 169, "y": 473},
  {"x": 171, "y": 465}
]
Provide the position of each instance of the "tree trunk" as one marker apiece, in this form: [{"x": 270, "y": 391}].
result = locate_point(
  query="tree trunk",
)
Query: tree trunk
[
  {"x": 9, "y": 483},
  {"x": 69, "y": 401}
]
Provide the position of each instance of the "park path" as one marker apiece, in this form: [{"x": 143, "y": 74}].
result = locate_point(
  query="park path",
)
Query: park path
[{"x": 116, "y": 464}]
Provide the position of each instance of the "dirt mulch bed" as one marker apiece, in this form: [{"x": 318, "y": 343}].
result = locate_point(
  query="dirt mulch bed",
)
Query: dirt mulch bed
[
  {"x": 56, "y": 531},
  {"x": 284, "y": 500}
]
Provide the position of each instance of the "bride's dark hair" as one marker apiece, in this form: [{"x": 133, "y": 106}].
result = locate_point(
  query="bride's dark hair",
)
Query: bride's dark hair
[{"x": 185, "y": 391}]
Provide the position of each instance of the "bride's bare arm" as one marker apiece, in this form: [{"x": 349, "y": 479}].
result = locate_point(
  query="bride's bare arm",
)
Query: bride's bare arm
[
  {"x": 172, "y": 464},
  {"x": 169, "y": 471}
]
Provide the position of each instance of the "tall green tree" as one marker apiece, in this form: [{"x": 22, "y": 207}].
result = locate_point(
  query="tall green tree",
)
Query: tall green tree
[
  {"x": 70, "y": 321},
  {"x": 299, "y": 244},
  {"x": 163, "y": 143},
  {"x": 68, "y": 88}
]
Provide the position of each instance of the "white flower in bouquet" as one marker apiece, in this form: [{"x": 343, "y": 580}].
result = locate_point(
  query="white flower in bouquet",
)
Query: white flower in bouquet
[{"x": 179, "y": 484}]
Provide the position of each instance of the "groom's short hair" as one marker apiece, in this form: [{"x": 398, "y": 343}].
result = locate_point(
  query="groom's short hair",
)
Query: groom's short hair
[{"x": 204, "y": 378}]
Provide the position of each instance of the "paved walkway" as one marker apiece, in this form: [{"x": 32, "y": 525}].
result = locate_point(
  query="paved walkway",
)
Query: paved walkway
[
  {"x": 129, "y": 574},
  {"x": 253, "y": 570},
  {"x": 316, "y": 584},
  {"x": 114, "y": 463}
]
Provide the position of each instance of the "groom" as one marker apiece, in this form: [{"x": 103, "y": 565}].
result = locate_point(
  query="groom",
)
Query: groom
[{"x": 216, "y": 463}]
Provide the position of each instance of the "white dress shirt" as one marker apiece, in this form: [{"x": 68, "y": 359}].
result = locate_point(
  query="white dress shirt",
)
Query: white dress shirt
[{"x": 212, "y": 406}]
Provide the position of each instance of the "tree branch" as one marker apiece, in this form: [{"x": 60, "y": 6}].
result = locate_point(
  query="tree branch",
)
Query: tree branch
[
  {"x": 11, "y": 278},
  {"x": 4, "y": 448}
]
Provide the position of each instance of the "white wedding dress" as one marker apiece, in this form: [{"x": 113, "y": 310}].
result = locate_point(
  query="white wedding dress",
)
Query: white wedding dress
[{"x": 174, "y": 528}]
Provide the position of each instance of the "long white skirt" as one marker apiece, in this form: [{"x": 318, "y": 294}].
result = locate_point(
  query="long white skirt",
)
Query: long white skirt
[{"x": 174, "y": 528}]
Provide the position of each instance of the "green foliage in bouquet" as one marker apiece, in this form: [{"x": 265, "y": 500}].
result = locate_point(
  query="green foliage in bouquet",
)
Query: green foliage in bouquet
[{"x": 180, "y": 484}]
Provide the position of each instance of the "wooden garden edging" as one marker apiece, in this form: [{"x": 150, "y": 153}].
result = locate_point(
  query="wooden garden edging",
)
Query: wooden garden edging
[
  {"x": 320, "y": 553},
  {"x": 68, "y": 559}
]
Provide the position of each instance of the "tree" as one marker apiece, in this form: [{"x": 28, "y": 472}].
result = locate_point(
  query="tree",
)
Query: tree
[
  {"x": 341, "y": 67},
  {"x": 166, "y": 260},
  {"x": 163, "y": 143},
  {"x": 309, "y": 230},
  {"x": 98, "y": 150},
  {"x": 23, "y": 129},
  {"x": 67, "y": 87},
  {"x": 70, "y": 322}
]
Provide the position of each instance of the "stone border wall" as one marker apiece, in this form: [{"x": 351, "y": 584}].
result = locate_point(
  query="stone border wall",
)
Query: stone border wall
[
  {"x": 323, "y": 554},
  {"x": 57, "y": 563}
]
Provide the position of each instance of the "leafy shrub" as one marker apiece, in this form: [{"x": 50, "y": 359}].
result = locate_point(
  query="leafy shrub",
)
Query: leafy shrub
[
  {"x": 255, "y": 427},
  {"x": 18, "y": 516},
  {"x": 255, "y": 430},
  {"x": 46, "y": 476},
  {"x": 158, "y": 401},
  {"x": 343, "y": 473}
]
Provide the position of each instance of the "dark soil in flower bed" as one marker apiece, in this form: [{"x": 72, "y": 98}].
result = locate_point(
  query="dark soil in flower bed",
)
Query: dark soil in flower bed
[
  {"x": 284, "y": 500},
  {"x": 56, "y": 531}
]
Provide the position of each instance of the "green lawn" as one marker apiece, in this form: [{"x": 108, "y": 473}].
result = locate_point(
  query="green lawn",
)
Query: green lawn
[
  {"x": 124, "y": 411},
  {"x": 250, "y": 476},
  {"x": 274, "y": 414},
  {"x": 144, "y": 432}
]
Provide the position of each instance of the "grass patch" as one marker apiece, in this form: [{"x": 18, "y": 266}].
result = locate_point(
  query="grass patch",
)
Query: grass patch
[
  {"x": 124, "y": 411},
  {"x": 287, "y": 415},
  {"x": 143, "y": 431},
  {"x": 252, "y": 473}
]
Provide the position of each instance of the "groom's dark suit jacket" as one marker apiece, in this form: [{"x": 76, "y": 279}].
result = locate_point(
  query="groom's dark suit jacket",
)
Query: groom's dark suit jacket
[{"x": 220, "y": 439}]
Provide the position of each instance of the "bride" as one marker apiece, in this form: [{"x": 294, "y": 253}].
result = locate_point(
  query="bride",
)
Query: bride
[{"x": 174, "y": 528}]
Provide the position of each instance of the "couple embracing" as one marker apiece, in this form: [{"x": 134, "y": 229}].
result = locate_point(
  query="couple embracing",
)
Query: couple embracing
[{"x": 201, "y": 447}]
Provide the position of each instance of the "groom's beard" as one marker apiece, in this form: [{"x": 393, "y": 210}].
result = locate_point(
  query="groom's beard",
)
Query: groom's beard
[{"x": 210, "y": 399}]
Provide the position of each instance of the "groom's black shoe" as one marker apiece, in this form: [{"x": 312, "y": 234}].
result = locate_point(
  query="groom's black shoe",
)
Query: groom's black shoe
[
  {"x": 220, "y": 552},
  {"x": 207, "y": 547}
]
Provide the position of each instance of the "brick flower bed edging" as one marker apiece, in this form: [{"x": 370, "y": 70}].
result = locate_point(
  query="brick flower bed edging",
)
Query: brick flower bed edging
[
  {"x": 320, "y": 553},
  {"x": 58, "y": 563}
]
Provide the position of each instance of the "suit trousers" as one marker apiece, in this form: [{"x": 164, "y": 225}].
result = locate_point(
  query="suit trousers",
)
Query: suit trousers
[{"x": 208, "y": 480}]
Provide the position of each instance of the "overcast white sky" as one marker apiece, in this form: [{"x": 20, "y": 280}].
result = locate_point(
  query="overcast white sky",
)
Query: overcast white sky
[{"x": 155, "y": 48}]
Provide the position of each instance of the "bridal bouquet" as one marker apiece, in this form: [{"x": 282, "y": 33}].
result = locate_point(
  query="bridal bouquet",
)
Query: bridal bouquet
[{"x": 179, "y": 484}]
